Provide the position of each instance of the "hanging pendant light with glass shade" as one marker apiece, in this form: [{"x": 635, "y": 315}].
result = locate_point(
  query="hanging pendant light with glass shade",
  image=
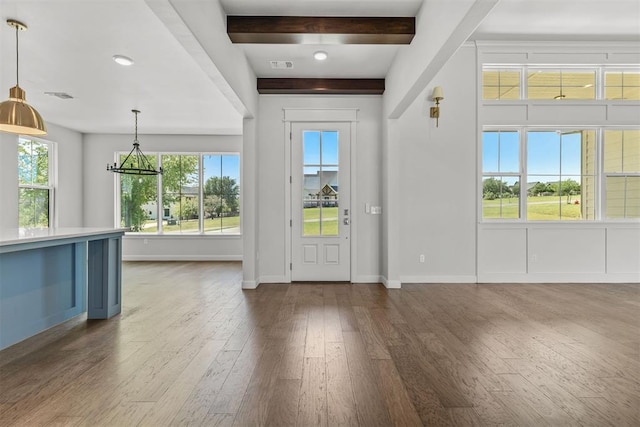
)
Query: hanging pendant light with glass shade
[
  {"x": 16, "y": 116},
  {"x": 136, "y": 163}
]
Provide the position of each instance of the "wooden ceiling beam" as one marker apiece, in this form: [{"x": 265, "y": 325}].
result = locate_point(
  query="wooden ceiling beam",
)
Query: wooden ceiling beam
[
  {"x": 308, "y": 86},
  {"x": 320, "y": 29}
]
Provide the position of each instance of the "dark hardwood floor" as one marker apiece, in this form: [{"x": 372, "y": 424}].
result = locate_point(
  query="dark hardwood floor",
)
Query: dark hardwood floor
[{"x": 192, "y": 348}]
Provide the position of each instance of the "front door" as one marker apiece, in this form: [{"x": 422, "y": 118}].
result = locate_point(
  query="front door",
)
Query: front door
[{"x": 320, "y": 202}]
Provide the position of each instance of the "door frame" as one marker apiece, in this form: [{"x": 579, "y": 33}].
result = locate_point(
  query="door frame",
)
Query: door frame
[{"x": 319, "y": 115}]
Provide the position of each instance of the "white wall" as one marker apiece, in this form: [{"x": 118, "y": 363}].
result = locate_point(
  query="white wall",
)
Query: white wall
[
  {"x": 8, "y": 181},
  {"x": 272, "y": 181},
  {"x": 100, "y": 186},
  {"x": 436, "y": 186},
  {"x": 68, "y": 210},
  {"x": 70, "y": 186},
  {"x": 441, "y": 28}
]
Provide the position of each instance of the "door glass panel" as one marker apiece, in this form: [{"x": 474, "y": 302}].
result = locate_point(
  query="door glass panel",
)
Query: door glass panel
[
  {"x": 330, "y": 148},
  {"x": 311, "y": 142},
  {"x": 329, "y": 194},
  {"x": 320, "y": 183},
  {"x": 310, "y": 201}
]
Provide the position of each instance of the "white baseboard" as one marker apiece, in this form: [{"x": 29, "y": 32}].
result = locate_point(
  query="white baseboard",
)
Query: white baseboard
[
  {"x": 367, "y": 279},
  {"x": 181, "y": 257},
  {"x": 559, "y": 278},
  {"x": 273, "y": 279},
  {"x": 438, "y": 279}
]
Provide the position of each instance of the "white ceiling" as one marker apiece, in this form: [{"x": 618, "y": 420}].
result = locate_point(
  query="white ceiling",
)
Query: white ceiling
[
  {"x": 69, "y": 45},
  {"x": 583, "y": 20}
]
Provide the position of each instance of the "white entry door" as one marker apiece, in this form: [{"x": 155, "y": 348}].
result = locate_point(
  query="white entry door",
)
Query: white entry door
[{"x": 320, "y": 202}]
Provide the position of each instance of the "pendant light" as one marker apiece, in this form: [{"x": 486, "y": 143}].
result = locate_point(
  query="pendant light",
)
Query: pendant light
[
  {"x": 136, "y": 163},
  {"x": 16, "y": 116}
]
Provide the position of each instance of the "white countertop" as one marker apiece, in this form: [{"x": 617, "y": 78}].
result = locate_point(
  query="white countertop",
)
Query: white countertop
[{"x": 16, "y": 236}]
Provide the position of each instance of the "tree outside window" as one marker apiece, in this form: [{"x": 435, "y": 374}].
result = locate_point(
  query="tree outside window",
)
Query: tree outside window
[
  {"x": 199, "y": 193},
  {"x": 35, "y": 184},
  {"x": 222, "y": 193},
  {"x": 138, "y": 193},
  {"x": 181, "y": 192}
]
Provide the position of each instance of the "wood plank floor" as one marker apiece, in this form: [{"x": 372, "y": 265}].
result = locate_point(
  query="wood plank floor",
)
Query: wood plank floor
[{"x": 192, "y": 348}]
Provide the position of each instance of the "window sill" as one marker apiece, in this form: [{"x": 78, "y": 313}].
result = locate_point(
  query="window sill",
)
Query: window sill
[
  {"x": 134, "y": 235},
  {"x": 632, "y": 223}
]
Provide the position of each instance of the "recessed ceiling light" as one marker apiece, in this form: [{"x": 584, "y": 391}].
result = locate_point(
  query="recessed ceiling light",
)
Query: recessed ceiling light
[
  {"x": 320, "y": 55},
  {"x": 123, "y": 60}
]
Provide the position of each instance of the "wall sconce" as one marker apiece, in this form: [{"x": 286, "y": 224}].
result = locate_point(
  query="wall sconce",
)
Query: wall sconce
[{"x": 437, "y": 96}]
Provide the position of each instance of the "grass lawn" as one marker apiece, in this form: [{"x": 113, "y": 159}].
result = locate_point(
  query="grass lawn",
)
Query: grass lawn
[
  {"x": 544, "y": 208},
  {"x": 312, "y": 221}
]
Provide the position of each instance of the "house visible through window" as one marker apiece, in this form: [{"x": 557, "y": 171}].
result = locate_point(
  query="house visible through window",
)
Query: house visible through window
[
  {"x": 196, "y": 193},
  {"x": 181, "y": 193},
  {"x": 35, "y": 183},
  {"x": 139, "y": 200}
]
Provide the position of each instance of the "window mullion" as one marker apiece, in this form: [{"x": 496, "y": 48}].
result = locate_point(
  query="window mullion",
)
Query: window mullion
[
  {"x": 601, "y": 196},
  {"x": 160, "y": 201},
  {"x": 523, "y": 174},
  {"x": 201, "y": 193}
]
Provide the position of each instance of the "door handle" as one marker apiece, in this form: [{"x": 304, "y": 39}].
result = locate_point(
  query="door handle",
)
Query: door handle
[{"x": 346, "y": 221}]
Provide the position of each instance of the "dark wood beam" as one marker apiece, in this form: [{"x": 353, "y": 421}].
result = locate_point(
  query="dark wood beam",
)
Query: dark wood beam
[
  {"x": 304, "y": 86},
  {"x": 320, "y": 29}
]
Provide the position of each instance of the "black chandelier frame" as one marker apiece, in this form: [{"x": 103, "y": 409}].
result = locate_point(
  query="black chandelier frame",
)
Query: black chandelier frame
[{"x": 144, "y": 166}]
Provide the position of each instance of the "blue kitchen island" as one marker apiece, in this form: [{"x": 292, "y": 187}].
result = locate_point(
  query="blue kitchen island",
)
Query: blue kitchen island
[{"x": 51, "y": 275}]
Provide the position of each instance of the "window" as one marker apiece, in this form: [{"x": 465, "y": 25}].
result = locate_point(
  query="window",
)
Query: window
[
  {"x": 321, "y": 171},
  {"x": 35, "y": 183},
  {"x": 138, "y": 200},
  {"x": 558, "y": 163},
  {"x": 622, "y": 85},
  {"x": 558, "y": 176},
  {"x": 181, "y": 193},
  {"x": 500, "y": 83},
  {"x": 561, "y": 84},
  {"x": 622, "y": 173},
  {"x": 221, "y": 193},
  {"x": 501, "y": 174},
  {"x": 544, "y": 82},
  {"x": 196, "y": 193}
]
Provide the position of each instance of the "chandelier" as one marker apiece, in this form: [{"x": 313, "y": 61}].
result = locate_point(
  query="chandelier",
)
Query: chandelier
[{"x": 136, "y": 163}]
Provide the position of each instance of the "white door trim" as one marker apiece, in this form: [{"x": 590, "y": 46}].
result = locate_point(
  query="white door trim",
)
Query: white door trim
[{"x": 291, "y": 115}]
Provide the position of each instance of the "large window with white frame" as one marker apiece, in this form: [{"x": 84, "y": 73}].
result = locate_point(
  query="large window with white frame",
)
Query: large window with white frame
[
  {"x": 560, "y": 174},
  {"x": 197, "y": 193},
  {"x": 35, "y": 183}
]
